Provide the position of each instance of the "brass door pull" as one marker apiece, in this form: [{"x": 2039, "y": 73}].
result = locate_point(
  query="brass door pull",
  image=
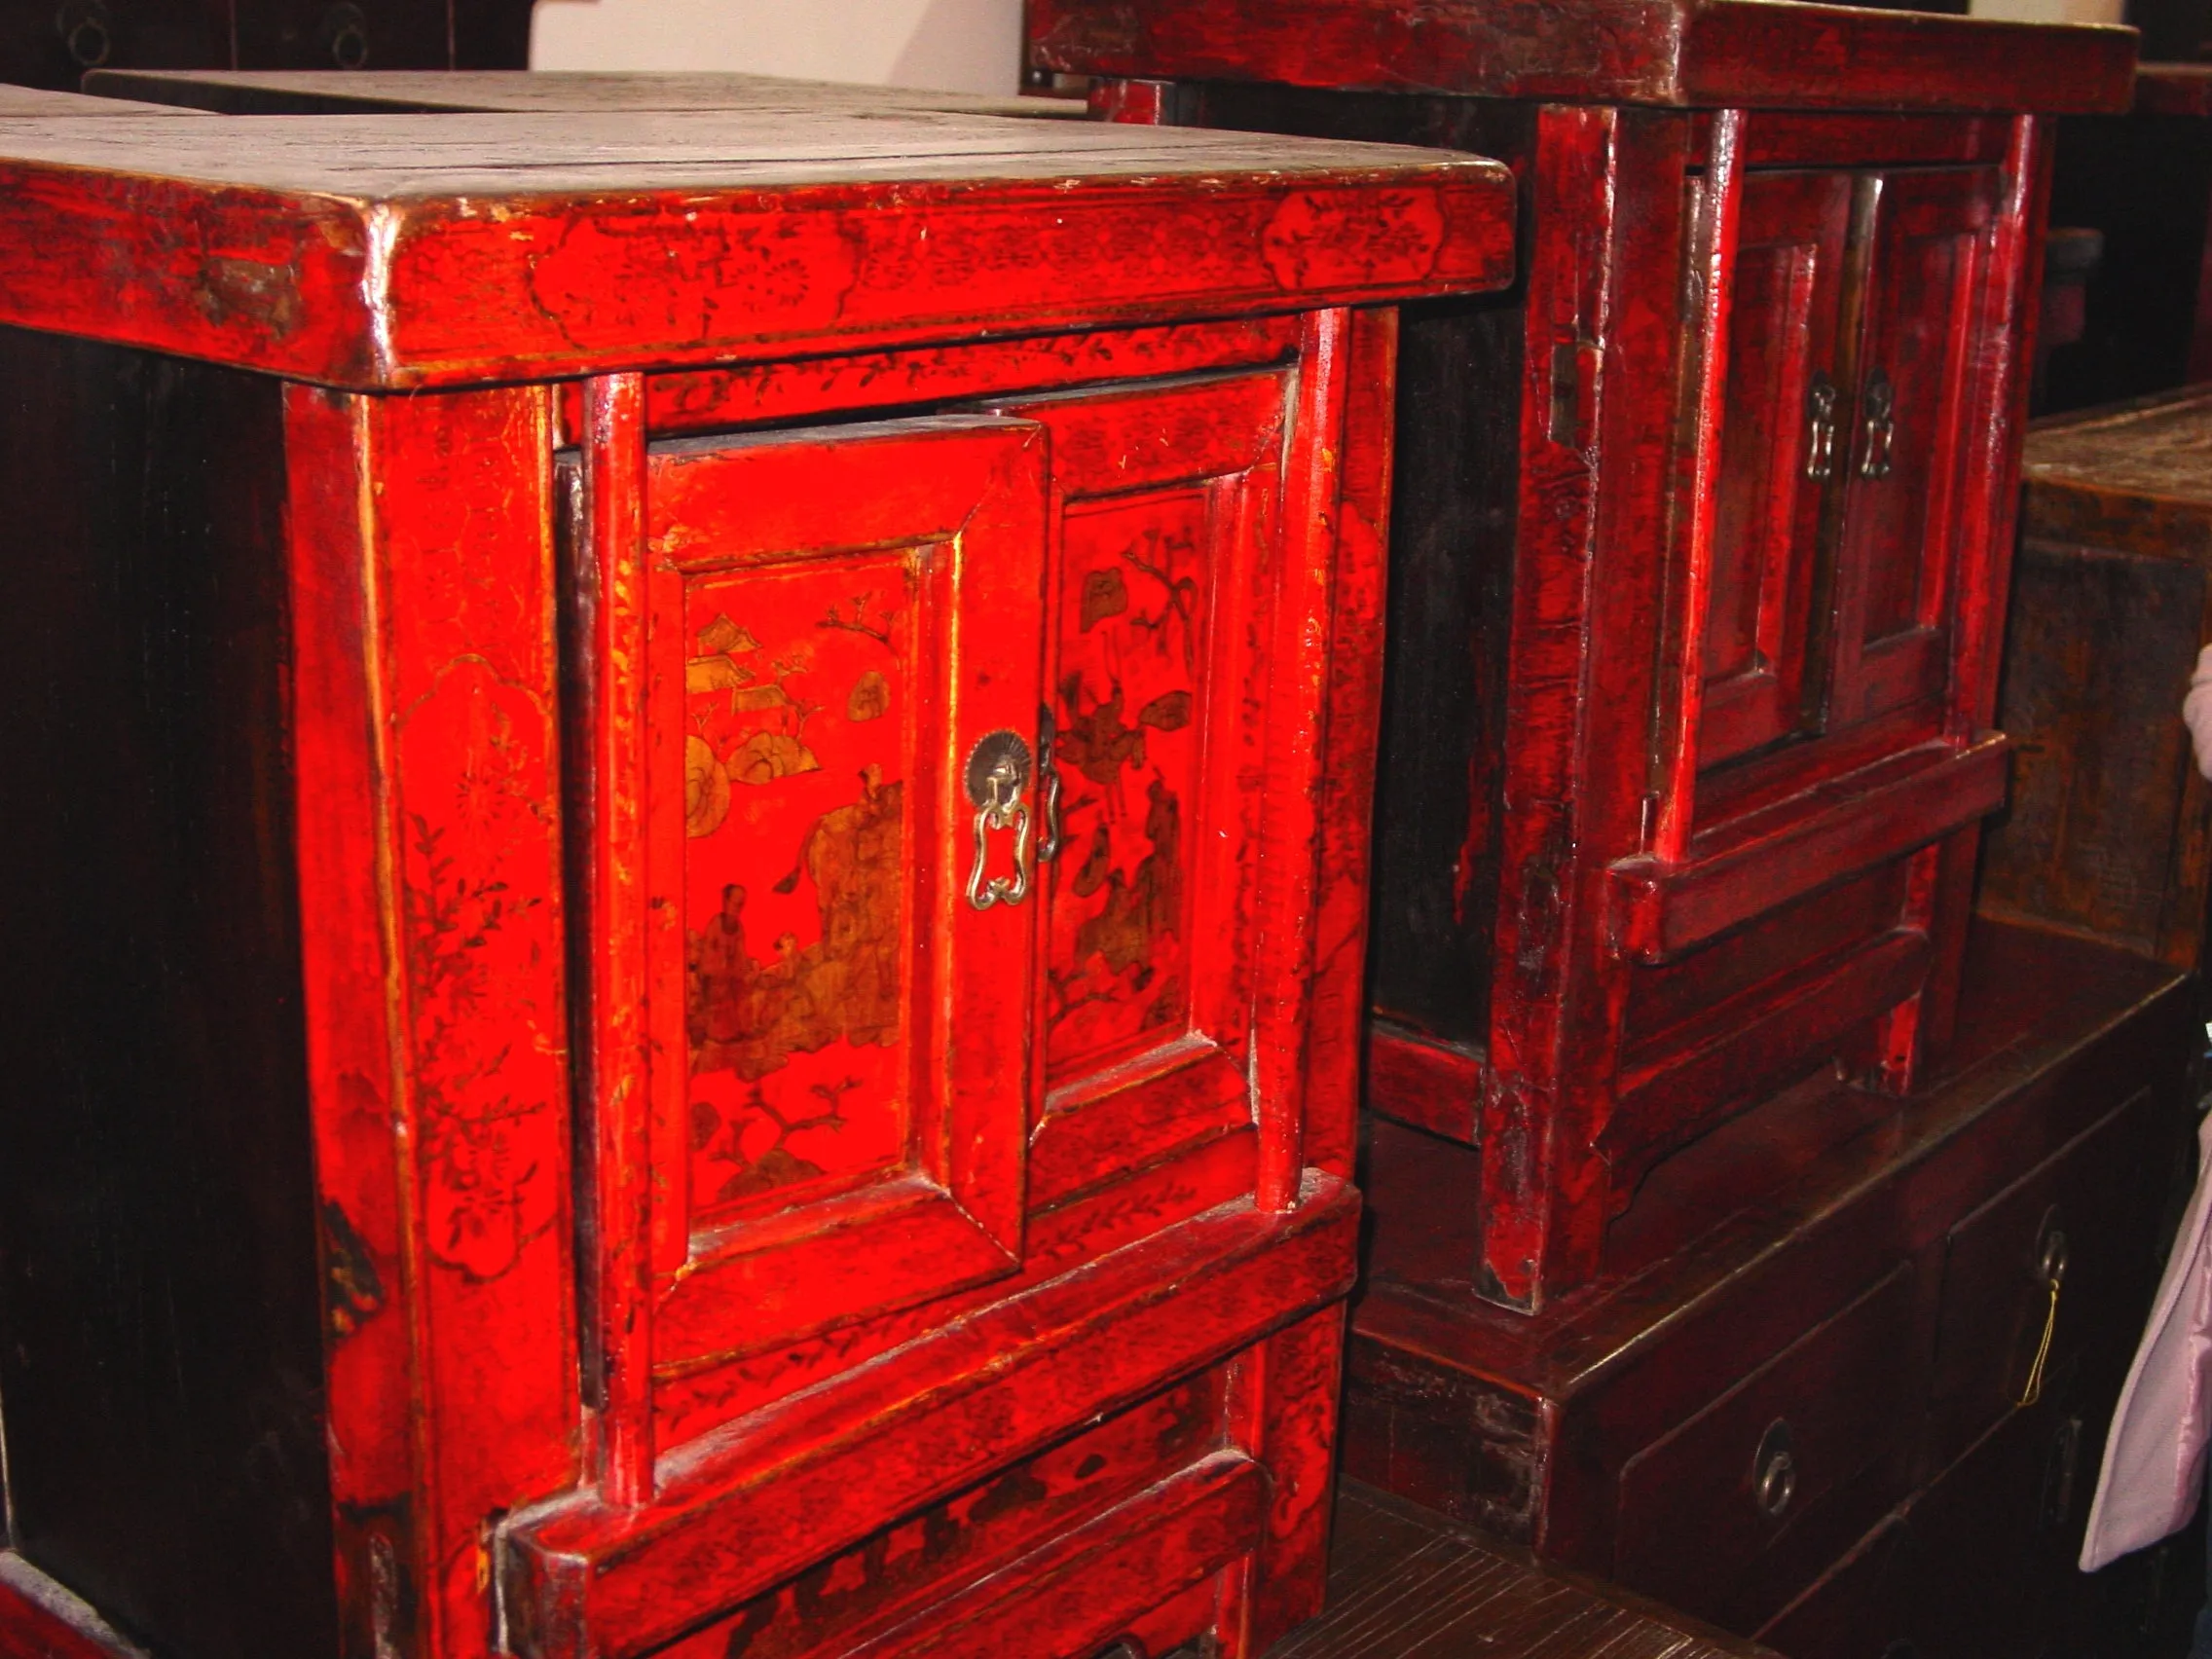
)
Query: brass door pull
[
  {"x": 998, "y": 776},
  {"x": 1048, "y": 784},
  {"x": 1819, "y": 422},
  {"x": 1881, "y": 403}
]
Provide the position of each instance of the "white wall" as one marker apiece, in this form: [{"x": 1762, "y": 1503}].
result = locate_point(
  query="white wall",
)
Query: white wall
[
  {"x": 967, "y": 46},
  {"x": 2052, "y": 11}
]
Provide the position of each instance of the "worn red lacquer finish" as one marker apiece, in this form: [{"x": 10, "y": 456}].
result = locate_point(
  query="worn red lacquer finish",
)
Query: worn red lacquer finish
[
  {"x": 1690, "y": 745},
  {"x": 832, "y": 849}
]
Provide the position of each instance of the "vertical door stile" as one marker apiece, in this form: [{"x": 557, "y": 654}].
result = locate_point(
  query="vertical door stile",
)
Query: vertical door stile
[
  {"x": 1299, "y": 685},
  {"x": 2013, "y": 277},
  {"x": 1716, "y": 248},
  {"x": 614, "y": 480}
]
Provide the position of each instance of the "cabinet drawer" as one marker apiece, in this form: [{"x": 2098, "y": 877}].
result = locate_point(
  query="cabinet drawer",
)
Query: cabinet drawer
[
  {"x": 342, "y": 34},
  {"x": 2094, "y": 1203},
  {"x": 53, "y": 43},
  {"x": 1017, "y": 1532},
  {"x": 1735, "y": 1511}
]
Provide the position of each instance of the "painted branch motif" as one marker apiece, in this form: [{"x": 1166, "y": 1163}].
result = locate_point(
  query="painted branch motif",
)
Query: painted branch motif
[
  {"x": 1132, "y": 641},
  {"x": 476, "y": 861},
  {"x": 795, "y": 809}
]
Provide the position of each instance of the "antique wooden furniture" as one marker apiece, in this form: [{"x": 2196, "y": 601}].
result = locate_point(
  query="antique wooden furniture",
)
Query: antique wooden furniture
[
  {"x": 1806, "y": 1421},
  {"x": 698, "y": 786},
  {"x": 326, "y": 92},
  {"x": 1688, "y": 741},
  {"x": 2144, "y": 179},
  {"x": 53, "y": 43},
  {"x": 2109, "y": 830}
]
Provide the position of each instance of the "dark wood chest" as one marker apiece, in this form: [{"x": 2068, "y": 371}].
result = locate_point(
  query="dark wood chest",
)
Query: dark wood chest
[
  {"x": 1864, "y": 1401},
  {"x": 53, "y": 43},
  {"x": 701, "y": 788},
  {"x": 2109, "y": 830}
]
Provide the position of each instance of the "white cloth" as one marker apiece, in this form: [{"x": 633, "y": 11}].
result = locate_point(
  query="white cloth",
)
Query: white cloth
[
  {"x": 2155, "y": 1456},
  {"x": 2196, "y": 710}
]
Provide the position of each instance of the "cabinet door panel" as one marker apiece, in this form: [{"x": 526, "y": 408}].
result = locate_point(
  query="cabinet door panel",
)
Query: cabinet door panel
[
  {"x": 1916, "y": 359},
  {"x": 835, "y": 622},
  {"x": 1780, "y": 454},
  {"x": 1165, "y": 507}
]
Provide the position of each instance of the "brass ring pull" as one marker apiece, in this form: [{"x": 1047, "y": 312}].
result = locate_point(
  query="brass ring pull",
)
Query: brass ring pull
[
  {"x": 1774, "y": 1471},
  {"x": 1819, "y": 420},
  {"x": 1048, "y": 786},
  {"x": 2050, "y": 1271},
  {"x": 998, "y": 775},
  {"x": 1881, "y": 400},
  {"x": 87, "y": 31}
]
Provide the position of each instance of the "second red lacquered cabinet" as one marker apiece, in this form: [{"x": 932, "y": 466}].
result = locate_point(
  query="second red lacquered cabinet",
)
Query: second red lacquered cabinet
[
  {"x": 810, "y": 751},
  {"x": 1689, "y": 740}
]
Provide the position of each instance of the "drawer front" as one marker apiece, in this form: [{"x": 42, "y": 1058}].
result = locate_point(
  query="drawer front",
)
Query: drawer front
[
  {"x": 2092, "y": 1208},
  {"x": 53, "y": 43},
  {"x": 877, "y": 1596},
  {"x": 1735, "y": 1512},
  {"x": 343, "y": 34},
  {"x": 1850, "y": 1612}
]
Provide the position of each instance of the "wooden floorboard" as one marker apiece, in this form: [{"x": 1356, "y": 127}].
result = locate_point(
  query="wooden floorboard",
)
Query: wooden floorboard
[{"x": 1405, "y": 1584}]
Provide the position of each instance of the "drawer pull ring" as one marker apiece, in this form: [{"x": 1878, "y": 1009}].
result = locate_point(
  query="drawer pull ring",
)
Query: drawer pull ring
[
  {"x": 1048, "y": 786},
  {"x": 998, "y": 775},
  {"x": 1881, "y": 426},
  {"x": 1774, "y": 1471},
  {"x": 1820, "y": 415},
  {"x": 2051, "y": 1270}
]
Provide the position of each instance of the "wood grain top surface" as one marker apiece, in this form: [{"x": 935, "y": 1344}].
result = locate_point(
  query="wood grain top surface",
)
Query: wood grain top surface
[
  {"x": 2174, "y": 89},
  {"x": 1681, "y": 53},
  {"x": 2158, "y": 447},
  {"x": 247, "y": 91},
  {"x": 374, "y": 158},
  {"x": 1405, "y": 1584},
  {"x": 386, "y": 251},
  {"x": 40, "y": 103}
]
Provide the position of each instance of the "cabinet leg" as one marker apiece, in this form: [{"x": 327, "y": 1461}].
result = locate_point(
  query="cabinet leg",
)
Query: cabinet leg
[{"x": 1284, "y": 1411}]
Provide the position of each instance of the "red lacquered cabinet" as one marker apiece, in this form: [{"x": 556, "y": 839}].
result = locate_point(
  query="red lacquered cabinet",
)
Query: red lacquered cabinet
[
  {"x": 702, "y": 788},
  {"x": 1688, "y": 738}
]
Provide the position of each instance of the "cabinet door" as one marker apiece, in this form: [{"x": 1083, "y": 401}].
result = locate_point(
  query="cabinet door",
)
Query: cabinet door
[
  {"x": 1166, "y": 519},
  {"x": 1780, "y": 456},
  {"x": 1914, "y": 392},
  {"x": 842, "y": 662}
]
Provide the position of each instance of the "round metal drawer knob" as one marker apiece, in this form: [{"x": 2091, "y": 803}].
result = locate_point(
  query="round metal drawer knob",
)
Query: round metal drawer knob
[
  {"x": 85, "y": 31},
  {"x": 1774, "y": 1471},
  {"x": 345, "y": 34}
]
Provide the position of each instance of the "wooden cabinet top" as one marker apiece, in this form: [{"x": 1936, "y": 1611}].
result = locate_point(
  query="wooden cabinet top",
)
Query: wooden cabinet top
[
  {"x": 2173, "y": 89},
  {"x": 241, "y": 91},
  {"x": 380, "y": 251},
  {"x": 39, "y": 101},
  {"x": 2137, "y": 477},
  {"x": 1676, "y": 53}
]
